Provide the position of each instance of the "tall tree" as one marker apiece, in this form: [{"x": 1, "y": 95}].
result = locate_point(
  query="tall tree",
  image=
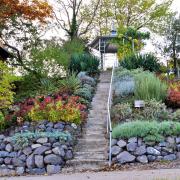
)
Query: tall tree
[
  {"x": 130, "y": 41},
  {"x": 18, "y": 29},
  {"x": 171, "y": 32},
  {"x": 75, "y": 17},
  {"x": 104, "y": 18},
  {"x": 141, "y": 13},
  {"x": 135, "y": 13}
]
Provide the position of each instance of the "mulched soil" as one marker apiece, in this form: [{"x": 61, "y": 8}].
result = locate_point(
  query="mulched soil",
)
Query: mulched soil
[{"x": 149, "y": 166}]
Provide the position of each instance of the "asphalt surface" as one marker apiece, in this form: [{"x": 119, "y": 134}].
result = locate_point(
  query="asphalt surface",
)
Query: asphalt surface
[{"x": 162, "y": 174}]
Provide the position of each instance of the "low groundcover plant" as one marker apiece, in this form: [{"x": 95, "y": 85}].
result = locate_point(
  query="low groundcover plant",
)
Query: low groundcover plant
[{"x": 149, "y": 130}]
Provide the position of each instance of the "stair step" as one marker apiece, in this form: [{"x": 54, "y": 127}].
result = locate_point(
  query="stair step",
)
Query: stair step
[
  {"x": 87, "y": 155},
  {"x": 81, "y": 168},
  {"x": 97, "y": 115},
  {"x": 84, "y": 148},
  {"x": 97, "y": 124},
  {"x": 92, "y": 140},
  {"x": 95, "y": 132},
  {"x": 99, "y": 162},
  {"x": 96, "y": 128},
  {"x": 91, "y": 131},
  {"x": 95, "y": 136},
  {"x": 91, "y": 144},
  {"x": 98, "y": 120}
]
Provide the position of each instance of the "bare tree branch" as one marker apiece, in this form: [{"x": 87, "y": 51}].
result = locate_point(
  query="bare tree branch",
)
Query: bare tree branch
[{"x": 92, "y": 18}]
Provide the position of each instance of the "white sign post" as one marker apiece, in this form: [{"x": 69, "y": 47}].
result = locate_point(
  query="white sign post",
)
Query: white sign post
[{"x": 139, "y": 104}]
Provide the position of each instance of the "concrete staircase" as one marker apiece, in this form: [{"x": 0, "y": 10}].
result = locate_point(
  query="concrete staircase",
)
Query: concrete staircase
[{"x": 91, "y": 150}]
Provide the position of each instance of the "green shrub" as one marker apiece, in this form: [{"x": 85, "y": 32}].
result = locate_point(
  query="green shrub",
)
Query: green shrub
[
  {"x": 126, "y": 99},
  {"x": 47, "y": 86},
  {"x": 124, "y": 87},
  {"x": 89, "y": 87},
  {"x": 124, "y": 81},
  {"x": 146, "y": 61},
  {"x": 30, "y": 86},
  {"x": 53, "y": 59},
  {"x": 148, "y": 86},
  {"x": 2, "y": 121},
  {"x": 83, "y": 101},
  {"x": 152, "y": 110},
  {"x": 176, "y": 115},
  {"x": 56, "y": 110},
  {"x": 70, "y": 84},
  {"x": 121, "y": 111},
  {"x": 6, "y": 93},
  {"x": 84, "y": 93},
  {"x": 84, "y": 62},
  {"x": 149, "y": 130}
]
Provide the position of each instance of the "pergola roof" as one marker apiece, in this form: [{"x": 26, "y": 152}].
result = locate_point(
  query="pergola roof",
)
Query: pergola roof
[{"x": 110, "y": 48}]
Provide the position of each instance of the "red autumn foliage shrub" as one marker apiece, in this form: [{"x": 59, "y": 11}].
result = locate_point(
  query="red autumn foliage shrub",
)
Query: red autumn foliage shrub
[
  {"x": 69, "y": 102},
  {"x": 173, "y": 98}
]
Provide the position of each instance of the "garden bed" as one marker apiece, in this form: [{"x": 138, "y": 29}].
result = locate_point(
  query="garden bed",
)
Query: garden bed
[
  {"x": 37, "y": 148},
  {"x": 149, "y": 133},
  {"x": 39, "y": 134}
]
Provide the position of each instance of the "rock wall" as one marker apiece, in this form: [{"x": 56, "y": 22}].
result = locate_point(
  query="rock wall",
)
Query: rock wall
[
  {"x": 136, "y": 150},
  {"x": 42, "y": 154}
]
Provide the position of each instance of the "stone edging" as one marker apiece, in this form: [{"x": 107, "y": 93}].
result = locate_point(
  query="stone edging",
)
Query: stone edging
[{"x": 136, "y": 150}]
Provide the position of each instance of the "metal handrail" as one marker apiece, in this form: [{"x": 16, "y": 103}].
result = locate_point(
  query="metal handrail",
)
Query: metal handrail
[{"x": 109, "y": 124}]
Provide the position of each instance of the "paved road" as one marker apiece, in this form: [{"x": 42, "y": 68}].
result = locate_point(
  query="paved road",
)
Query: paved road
[{"x": 165, "y": 174}]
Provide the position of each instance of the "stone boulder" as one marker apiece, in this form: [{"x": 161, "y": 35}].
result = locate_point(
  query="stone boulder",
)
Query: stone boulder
[
  {"x": 53, "y": 159},
  {"x": 125, "y": 157},
  {"x": 153, "y": 151},
  {"x": 121, "y": 143},
  {"x": 140, "y": 150},
  {"x": 52, "y": 169},
  {"x": 115, "y": 150},
  {"x": 142, "y": 159},
  {"x": 131, "y": 146}
]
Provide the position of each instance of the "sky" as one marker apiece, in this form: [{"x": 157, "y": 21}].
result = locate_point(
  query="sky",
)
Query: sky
[
  {"x": 149, "y": 46},
  {"x": 176, "y": 5}
]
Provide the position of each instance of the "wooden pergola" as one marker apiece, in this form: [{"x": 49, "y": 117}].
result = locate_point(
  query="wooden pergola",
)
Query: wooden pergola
[{"x": 104, "y": 45}]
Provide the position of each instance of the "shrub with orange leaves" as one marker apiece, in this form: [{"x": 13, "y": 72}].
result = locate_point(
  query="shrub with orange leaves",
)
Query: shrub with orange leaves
[
  {"x": 173, "y": 99},
  {"x": 175, "y": 86},
  {"x": 27, "y": 9}
]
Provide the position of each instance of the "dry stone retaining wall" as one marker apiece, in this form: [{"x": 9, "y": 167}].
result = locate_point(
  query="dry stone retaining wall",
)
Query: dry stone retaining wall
[
  {"x": 136, "y": 150},
  {"x": 42, "y": 155}
]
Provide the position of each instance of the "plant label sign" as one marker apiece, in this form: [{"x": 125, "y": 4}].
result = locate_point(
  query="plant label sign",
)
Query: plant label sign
[{"x": 139, "y": 103}]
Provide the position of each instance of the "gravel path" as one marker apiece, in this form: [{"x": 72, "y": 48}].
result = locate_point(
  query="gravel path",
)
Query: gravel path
[{"x": 163, "y": 174}]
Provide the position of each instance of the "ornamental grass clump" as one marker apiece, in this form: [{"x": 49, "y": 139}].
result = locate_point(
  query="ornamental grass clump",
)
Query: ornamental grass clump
[
  {"x": 84, "y": 62},
  {"x": 70, "y": 84},
  {"x": 146, "y": 61},
  {"x": 148, "y": 86}
]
